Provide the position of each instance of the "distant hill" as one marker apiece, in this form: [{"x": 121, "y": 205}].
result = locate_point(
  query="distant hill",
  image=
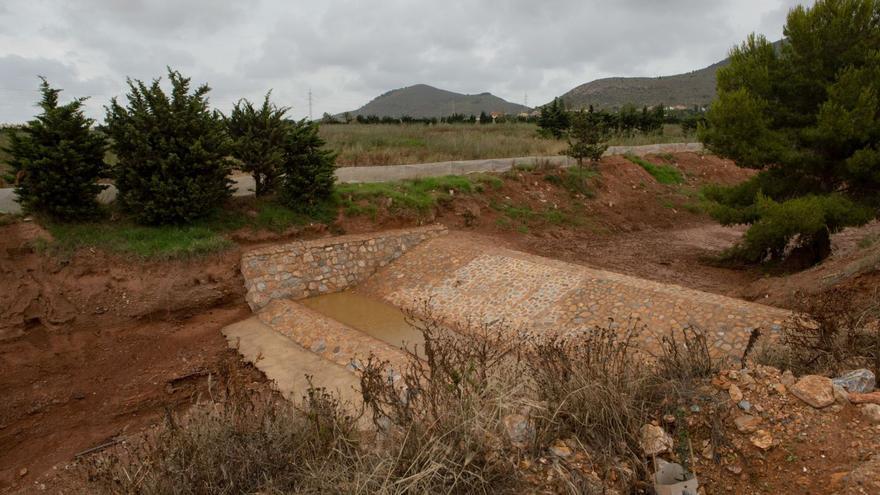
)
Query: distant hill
[
  {"x": 422, "y": 101},
  {"x": 692, "y": 88}
]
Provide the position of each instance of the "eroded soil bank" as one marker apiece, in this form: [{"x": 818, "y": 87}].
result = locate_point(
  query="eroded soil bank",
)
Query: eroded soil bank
[{"x": 95, "y": 347}]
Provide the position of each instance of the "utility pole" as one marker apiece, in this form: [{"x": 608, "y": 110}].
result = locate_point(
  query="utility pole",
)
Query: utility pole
[{"x": 310, "y": 104}]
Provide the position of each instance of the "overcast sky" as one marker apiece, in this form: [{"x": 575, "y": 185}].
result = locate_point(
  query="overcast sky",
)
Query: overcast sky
[{"x": 348, "y": 52}]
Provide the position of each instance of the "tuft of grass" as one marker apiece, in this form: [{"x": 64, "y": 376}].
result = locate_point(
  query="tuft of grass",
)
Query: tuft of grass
[
  {"x": 868, "y": 241},
  {"x": 417, "y": 196},
  {"x": 163, "y": 242},
  {"x": 664, "y": 174},
  {"x": 576, "y": 180},
  {"x": 205, "y": 236}
]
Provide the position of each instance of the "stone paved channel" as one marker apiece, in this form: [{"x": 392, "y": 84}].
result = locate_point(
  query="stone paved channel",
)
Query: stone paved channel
[{"x": 466, "y": 280}]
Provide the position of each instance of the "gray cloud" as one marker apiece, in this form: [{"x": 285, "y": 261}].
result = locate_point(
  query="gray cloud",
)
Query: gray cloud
[{"x": 348, "y": 52}]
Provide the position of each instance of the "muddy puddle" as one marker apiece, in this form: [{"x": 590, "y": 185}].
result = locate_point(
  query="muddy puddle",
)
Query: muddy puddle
[{"x": 374, "y": 317}]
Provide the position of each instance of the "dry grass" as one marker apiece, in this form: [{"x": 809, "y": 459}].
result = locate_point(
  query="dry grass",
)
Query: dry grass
[
  {"x": 366, "y": 145},
  {"x": 439, "y": 423},
  {"x": 835, "y": 331}
]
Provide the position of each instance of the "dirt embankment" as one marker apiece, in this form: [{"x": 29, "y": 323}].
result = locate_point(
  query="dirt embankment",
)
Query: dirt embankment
[{"x": 94, "y": 346}]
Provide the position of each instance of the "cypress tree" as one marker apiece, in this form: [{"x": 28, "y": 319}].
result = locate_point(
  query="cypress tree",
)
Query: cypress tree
[
  {"x": 307, "y": 167},
  {"x": 172, "y": 152},
  {"x": 258, "y": 136},
  {"x": 57, "y": 159}
]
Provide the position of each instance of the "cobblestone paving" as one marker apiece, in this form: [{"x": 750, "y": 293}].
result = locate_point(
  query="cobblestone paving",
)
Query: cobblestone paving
[{"x": 466, "y": 280}]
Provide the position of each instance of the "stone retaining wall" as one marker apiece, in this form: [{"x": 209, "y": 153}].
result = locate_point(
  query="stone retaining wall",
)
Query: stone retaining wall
[{"x": 302, "y": 269}]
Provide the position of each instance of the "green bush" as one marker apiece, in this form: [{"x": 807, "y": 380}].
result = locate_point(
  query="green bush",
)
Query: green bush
[
  {"x": 804, "y": 112},
  {"x": 258, "y": 136},
  {"x": 307, "y": 168},
  {"x": 56, "y": 160},
  {"x": 809, "y": 220},
  {"x": 172, "y": 152}
]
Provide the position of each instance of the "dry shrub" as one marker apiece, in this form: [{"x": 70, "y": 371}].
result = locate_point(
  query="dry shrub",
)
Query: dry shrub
[
  {"x": 595, "y": 387},
  {"x": 684, "y": 356},
  {"x": 246, "y": 444},
  {"x": 441, "y": 416},
  {"x": 832, "y": 332}
]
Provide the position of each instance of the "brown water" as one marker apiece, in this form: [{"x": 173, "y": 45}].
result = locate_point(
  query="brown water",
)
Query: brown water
[{"x": 374, "y": 317}]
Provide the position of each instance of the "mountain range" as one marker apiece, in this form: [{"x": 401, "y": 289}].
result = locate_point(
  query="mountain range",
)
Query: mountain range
[{"x": 689, "y": 89}]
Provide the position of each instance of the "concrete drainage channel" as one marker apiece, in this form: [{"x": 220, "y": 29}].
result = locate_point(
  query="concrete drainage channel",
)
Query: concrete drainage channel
[{"x": 322, "y": 307}]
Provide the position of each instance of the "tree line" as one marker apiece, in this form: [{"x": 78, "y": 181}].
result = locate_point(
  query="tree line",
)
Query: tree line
[{"x": 173, "y": 155}]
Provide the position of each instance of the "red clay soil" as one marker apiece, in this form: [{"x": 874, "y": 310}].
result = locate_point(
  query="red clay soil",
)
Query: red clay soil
[{"x": 94, "y": 346}]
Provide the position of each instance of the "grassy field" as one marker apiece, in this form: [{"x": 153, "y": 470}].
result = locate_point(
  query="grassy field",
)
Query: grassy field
[{"x": 366, "y": 145}]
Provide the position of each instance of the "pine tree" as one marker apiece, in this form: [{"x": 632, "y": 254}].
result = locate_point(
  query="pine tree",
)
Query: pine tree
[
  {"x": 553, "y": 121},
  {"x": 57, "y": 159},
  {"x": 586, "y": 137},
  {"x": 807, "y": 115},
  {"x": 172, "y": 152},
  {"x": 307, "y": 167},
  {"x": 257, "y": 138}
]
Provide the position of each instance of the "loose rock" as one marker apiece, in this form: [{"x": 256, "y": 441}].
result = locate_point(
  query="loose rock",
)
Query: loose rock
[
  {"x": 841, "y": 396},
  {"x": 736, "y": 394},
  {"x": 762, "y": 439},
  {"x": 654, "y": 440},
  {"x": 860, "y": 381},
  {"x": 815, "y": 390},
  {"x": 871, "y": 412},
  {"x": 518, "y": 429},
  {"x": 788, "y": 378},
  {"x": 747, "y": 423}
]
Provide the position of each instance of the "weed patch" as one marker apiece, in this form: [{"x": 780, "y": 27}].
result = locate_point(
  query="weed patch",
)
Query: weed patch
[
  {"x": 664, "y": 174},
  {"x": 417, "y": 196}
]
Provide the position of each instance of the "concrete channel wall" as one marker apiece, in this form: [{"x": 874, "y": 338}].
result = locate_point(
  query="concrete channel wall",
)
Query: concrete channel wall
[
  {"x": 244, "y": 185},
  {"x": 301, "y": 269}
]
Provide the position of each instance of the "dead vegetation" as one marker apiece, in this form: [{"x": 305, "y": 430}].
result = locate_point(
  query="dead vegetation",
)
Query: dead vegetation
[
  {"x": 480, "y": 412},
  {"x": 832, "y": 332}
]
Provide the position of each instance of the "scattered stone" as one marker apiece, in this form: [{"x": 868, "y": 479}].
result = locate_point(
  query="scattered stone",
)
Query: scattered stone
[
  {"x": 871, "y": 397},
  {"x": 841, "y": 396},
  {"x": 654, "y": 440},
  {"x": 720, "y": 383},
  {"x": 871, "y": 412},
  {"x": 559, "y": 449},
  {"x": 860, "y": 381},
  {"x": 746, "y": 423},
  {"x": 817, "y": 391},
  {"x": 746, "y": 380},
  {"x": 669, "y": 418},
  {"x": 695, "y": 408},
  {"x": 745, "y": 405},
  {"x": 518, "y": 429},
  {"x": 778, "y": 388},
  {"x": 23, "y": 472},
  {"x": 734, "y": 468},
  {"x": 708, "y": 451},
  {"x": 865, "y": 478},
  {"x": 788, "y": 378},
  {"x": 762, "y": 439},
  {"x": 736, "y": 394}
]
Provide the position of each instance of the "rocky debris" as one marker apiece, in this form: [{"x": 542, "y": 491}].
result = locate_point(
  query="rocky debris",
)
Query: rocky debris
[
  {"x": 561, "y": 450},
  {"x": 778, "y": 388},
  {"x": 654, "y": 440},
  {"x": 871, "y": 412},
  {"x": 745, "y": 405},
  {"x": 863, "y": 480},
  {"x": 518, "y": 429},
  {"x": 762, "y": 439},
  {"x": 788, "y": 379},
  {"x": 746, "y": 423},
  {"x": 841, "y": 396},
  {"x": 869, "y": 398},
  {"x": 736, "y": 394},
  {"x": 815, "y": 390},
  {"x": 861, "y": 381}
]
